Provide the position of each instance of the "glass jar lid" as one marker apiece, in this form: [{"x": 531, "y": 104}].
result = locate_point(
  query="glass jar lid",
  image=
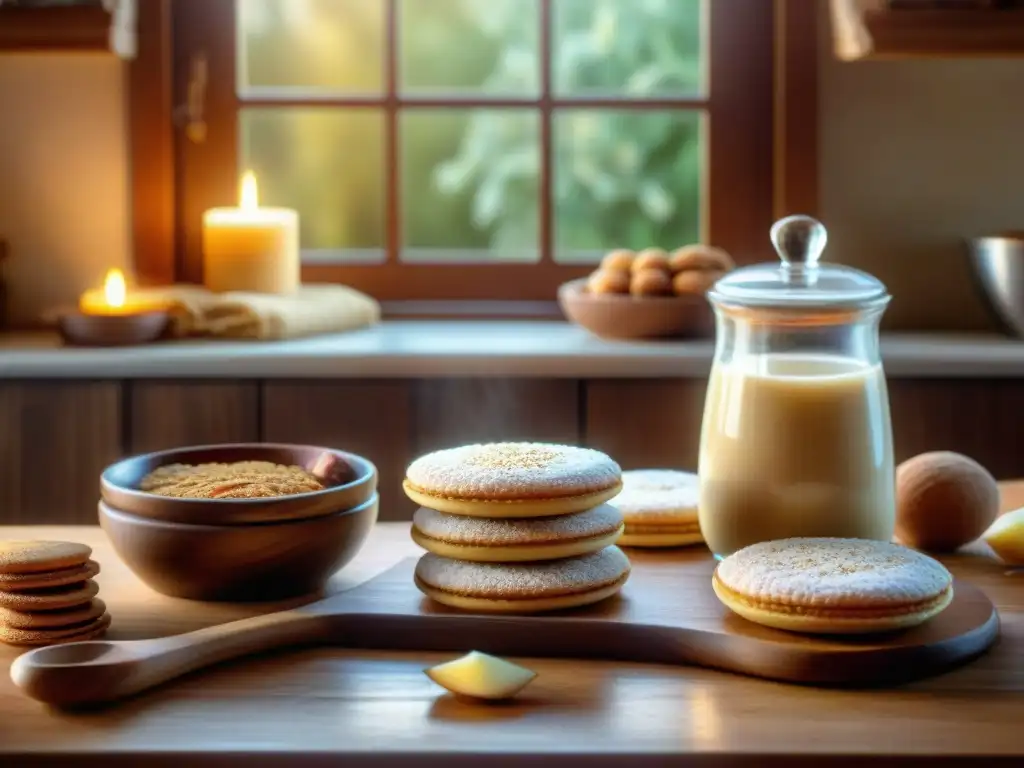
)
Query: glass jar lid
[{"x": 800, "y": 281}]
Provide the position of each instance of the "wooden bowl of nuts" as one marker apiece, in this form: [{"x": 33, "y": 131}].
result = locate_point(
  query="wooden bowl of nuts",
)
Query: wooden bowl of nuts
[{"x": 647, "y": 295}]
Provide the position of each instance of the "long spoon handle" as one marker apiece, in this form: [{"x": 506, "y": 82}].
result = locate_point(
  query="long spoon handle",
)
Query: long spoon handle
[{"x": 100, "y": 671}]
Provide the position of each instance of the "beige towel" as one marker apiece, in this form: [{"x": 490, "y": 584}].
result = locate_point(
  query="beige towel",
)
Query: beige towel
[
  {"x": 315, "y": 309},
  {"x": 187, "y": 304}
]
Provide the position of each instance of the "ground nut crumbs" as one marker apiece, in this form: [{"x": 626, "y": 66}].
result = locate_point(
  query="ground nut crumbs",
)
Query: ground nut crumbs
[{"x": 238, "y": 480}]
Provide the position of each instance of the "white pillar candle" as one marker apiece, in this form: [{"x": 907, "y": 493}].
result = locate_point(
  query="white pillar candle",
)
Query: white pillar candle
[{"x": 250, "y": 248}]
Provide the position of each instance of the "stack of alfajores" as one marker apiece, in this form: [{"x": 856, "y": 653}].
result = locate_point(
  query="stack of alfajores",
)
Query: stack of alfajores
[{"x": 517, "y": 527}]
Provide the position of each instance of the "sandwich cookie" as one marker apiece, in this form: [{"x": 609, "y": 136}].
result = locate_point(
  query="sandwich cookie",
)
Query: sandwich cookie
[
  {"x": 488, "y": 540},
  {"x": 513, "y": 480},
  {"x": 20, "y": 557},
  {"x": 52, "y": 599},
  {"x": 524, "y": 587},
  {"x": 833, "y": 586},
  {"x": 659, "y": 507},
  {"x": 86, "y": 630},
  {"x": 52, "y": 619},
  {"x": 20, "y": 581}
]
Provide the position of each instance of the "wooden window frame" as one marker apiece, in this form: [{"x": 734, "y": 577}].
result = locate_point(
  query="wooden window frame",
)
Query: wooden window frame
[{"x": 761, "y": 162}]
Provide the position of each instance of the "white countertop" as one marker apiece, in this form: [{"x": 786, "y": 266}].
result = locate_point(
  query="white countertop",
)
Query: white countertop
[{"x": 429, "y": 348}]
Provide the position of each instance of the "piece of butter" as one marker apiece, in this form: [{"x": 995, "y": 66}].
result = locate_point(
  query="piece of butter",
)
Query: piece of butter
[
  {"x": 481, "y": 676},
  {"x": 1006, "y": 537}
]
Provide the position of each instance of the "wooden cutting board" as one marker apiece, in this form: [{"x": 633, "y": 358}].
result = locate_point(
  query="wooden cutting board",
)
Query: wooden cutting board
[{"x": 667, "y": 613}]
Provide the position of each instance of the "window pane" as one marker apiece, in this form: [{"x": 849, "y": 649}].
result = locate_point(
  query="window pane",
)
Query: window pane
[
  {"x": 311, "y": 45},
  {"x": 328, "y": 164},
  {"x": 474, "y": 46},
  {"x": 628, "y": 47},
  {"x": 626, "y": 179},
  {"x": 470, "y": 183}
]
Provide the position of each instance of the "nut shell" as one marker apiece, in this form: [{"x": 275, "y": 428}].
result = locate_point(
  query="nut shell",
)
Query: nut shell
[
  {"x": 651, "y": 282},
  {"x": 943, "y": 501}
]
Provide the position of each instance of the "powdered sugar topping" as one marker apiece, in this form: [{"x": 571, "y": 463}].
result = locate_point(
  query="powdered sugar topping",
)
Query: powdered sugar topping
[
  {"x": 514, "y": 471},
  {"x": 834, "y": 572},
  {"x": 460, "y": 529},
  {"x": 510, "y": 581},
  {"x": 657, "y": 494}
]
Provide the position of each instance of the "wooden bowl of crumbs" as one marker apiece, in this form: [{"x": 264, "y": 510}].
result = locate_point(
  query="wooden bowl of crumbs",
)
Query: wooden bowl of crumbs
[
  {"x": 238, "y": 484},
  {"x": 258, "y": 562}
]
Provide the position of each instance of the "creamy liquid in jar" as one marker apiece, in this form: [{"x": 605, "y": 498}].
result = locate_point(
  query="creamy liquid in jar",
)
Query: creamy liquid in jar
[{"x": 795, "y": 445}]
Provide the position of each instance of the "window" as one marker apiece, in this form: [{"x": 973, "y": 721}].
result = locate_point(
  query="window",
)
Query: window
[{"x": 479, "y": 149}]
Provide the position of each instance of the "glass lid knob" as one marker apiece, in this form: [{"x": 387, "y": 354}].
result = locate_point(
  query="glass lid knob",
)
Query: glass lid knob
[{"x": 799, "y": 241}]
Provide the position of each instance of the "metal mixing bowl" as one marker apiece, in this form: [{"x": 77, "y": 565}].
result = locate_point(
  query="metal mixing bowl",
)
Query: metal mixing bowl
[{"x": 998, "y": 264}]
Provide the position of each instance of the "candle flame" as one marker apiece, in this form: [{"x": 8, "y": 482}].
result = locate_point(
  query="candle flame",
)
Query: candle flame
[
  {"x": 250, "y": 192},
  {"x": 114, "y": 289}
]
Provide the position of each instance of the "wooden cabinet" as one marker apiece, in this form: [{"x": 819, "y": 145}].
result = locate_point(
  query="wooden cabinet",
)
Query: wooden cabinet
[
  {"x": 163, "y": 415},
  {"x": 646, "y": 423},
  {"x": 56, "y": 437},
  {"x": 371, "y": 418}
]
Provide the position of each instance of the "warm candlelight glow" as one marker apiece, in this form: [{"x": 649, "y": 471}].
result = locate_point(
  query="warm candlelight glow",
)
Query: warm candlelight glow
[
  {"x": 250, "y": 194},
  {"x": 250, "y": 247},
  {"x": 114, "y": 289}
]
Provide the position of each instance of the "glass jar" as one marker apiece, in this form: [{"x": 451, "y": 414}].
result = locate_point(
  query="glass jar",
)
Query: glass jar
[{"x": 796, "y": 438}]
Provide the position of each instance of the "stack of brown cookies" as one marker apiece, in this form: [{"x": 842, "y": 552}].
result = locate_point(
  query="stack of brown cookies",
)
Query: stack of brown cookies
[
  {"x": 687, "y": 271},
  {"x": 48, "y": 595},
  {"x": 517, "y": 527}
]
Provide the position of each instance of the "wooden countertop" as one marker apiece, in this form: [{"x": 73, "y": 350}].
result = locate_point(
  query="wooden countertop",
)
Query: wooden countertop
[
  {"x": 454, "y": 348},
  {"x": 330, "y": 706}
]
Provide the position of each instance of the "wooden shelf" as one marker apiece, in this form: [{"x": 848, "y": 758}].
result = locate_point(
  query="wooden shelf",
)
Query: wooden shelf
[
  {"x": 73, "y": 28},
  {"x": 946, "y": 34}
]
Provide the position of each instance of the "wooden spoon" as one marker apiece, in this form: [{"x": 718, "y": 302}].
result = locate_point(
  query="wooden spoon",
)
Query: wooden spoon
[{"x": 99, "y": 671}]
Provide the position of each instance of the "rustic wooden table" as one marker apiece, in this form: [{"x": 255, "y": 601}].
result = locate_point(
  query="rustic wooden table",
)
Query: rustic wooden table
[{"x": 331, "y": 706}]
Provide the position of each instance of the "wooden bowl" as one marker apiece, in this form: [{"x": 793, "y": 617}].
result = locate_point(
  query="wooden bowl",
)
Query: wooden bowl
[
  {"x": 268, "y": 561},
  {"x": 616, "y": 316},
  {"x": 119, "y": 485},
  {"x": 78, "y": 329}
]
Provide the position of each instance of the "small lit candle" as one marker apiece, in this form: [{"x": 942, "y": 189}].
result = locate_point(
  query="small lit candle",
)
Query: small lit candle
[
  {"x": 251, "y": 248},
  {"x": 111, "y": 316},
  {"x": 113, "y": 298}
]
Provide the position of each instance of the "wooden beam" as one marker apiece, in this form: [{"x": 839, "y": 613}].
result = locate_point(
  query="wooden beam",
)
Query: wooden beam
[
  {"x": 150, "y": 95},
  {"x": 49, "y": 29}
]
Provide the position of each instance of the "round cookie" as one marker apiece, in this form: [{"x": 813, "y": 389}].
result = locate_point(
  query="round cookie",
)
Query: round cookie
[
  {"x": 35, "y": 556},
  {"x": 533, "y": 539},
  {"x": 52, "y": 599},
  {"x": 52, "y": 619},
  {"x": 659, "y": 507},
  {"x": 523, "y": 587},
  {"x": 512, "y": 480},
  {"x": 833, "y": 586},
  {"x": 87, "y": 630},
  {"x": 19, "y": 581}
]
